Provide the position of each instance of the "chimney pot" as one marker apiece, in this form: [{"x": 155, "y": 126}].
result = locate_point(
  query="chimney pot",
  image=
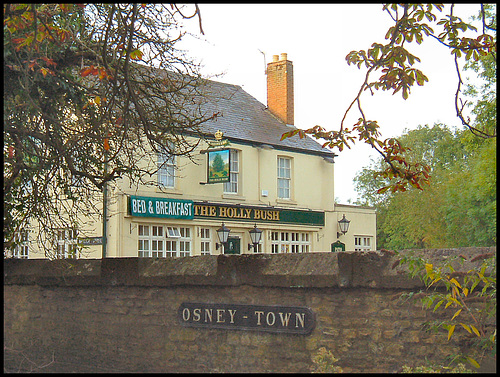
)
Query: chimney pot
[
  {"x": 284, "y": 56},
  {"x": 276, "y": 58}
]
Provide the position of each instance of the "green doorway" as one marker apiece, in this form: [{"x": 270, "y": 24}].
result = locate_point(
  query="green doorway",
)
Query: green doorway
[{"x": 233, "y": 246}]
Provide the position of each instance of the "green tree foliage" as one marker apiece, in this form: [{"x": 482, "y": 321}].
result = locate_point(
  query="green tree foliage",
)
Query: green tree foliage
[
  {"x": 218, "y": 163},
  {"x": 89, "y": 91},
  {"x": 457, "y": 209},
  {"x": 394, "y": 64}
]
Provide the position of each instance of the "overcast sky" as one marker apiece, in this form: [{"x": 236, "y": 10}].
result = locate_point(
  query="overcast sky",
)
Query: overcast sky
[{"x": 241, "y": 38}]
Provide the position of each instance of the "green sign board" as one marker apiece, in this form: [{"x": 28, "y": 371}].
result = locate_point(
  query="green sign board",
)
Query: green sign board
[
  {"x": 89, "y": 241},
  {"x": 258, "y": 214},
  {"x": 160, "y": 207},
  {"x": 338, "y": 246},
  {"x": 186, "y": 209}
]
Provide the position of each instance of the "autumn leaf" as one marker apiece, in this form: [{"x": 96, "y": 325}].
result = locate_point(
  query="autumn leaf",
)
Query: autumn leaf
[
  {"x": 136, "y": 55},
  {"x": 106, "y": 144},
  {"x": 451, "y": 329},
  {"x": 475, "y": 330},
  {"x": 473, "y": 362},
  {"x": 466, "y": 327},
  {"x": 49, "y": 61},
  {"x": 456, "y": 314},
  {"x": 46, "y": 71},
  {"x": 86, "y": 71},
  {"x": 102, "y": 73}
]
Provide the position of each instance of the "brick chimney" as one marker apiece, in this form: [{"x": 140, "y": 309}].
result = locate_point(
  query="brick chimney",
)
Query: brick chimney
[{"x": 280, "y": 88}]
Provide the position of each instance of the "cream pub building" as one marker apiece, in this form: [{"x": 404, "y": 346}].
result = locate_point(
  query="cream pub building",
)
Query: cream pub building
[{"x": 281, "y": 189}]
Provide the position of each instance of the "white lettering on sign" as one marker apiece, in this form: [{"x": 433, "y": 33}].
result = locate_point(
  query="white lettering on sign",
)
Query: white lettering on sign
[
  {"x": 248, "y": 317},
  {"x": 284, "y": 321},
  {"x": 159, "y": 207},
  {"x": 138, "y": 205}
]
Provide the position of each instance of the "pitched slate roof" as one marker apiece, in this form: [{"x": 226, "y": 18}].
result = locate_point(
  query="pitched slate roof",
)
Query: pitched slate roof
[{"x": 244, "y": 119}]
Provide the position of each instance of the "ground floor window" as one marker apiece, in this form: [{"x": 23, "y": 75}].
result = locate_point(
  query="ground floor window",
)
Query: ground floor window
[
  {"x": 257, "y": 249},
  {"x": 290, "y": 242},
  {"x": 21, "y": 250},
  {"x": 67, "y": 243},
  {"x": 158, "y": 241},
  {"x": 362, "y": 243},
  {"x": 205, "y": 241}
]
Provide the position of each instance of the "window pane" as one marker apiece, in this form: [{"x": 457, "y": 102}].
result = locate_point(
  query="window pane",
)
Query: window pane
[
  {"x": 232, "y": 186},
  {"x": 166, "y": 170}
]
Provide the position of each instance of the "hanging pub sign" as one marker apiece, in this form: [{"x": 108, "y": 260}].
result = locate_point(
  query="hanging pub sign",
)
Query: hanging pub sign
[{"x": 218, "y": 166}]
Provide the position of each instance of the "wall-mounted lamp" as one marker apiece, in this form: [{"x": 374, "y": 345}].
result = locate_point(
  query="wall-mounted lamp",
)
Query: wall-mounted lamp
[
  {"x": 223, "y": 234},
  {"x": 255, "y": 236},
  {"x": 343, "y": 225}
]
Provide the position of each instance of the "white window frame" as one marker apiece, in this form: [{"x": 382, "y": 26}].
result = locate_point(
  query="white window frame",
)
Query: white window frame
[
  {"x": 290, "y": 242},
  {"x": 157, "y": 241},
  {"x": 362, "y": 243},
  {"x": 205, "y": 241},
  {"x": 144, "y": 242},
  {"x": 21, "y": 250},
  {"x": 185, "y": 242},
  {"x": 232, "y": 186},
  {"x": 284, "y": 175},
  {"x": 67, "y": 243},
  {"x": 160, "y": 241},
  {"x": 173, "y": 232},
  {"x": 166, "y": 169}
]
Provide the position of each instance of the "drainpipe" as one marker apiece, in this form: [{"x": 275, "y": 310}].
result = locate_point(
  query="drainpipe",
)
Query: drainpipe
[
  {"x": 104, "y": 209},
  {"x": 104, "y": 219}
]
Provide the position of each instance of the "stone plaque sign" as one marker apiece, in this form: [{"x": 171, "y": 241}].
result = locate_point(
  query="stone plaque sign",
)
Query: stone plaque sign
[{"x": 277, "y": 319}]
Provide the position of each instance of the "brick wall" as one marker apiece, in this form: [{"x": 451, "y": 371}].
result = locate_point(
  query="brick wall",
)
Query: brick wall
[{"x": 121, "y": 315}]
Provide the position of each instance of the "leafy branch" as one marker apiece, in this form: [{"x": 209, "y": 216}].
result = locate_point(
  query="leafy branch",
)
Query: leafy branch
[
  {"x": 396, "y": 65},
  {"x": 471, "y": 296}
]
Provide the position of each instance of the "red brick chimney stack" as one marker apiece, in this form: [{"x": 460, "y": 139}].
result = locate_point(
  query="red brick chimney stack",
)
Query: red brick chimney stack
[{"x": 280, "y": 88}]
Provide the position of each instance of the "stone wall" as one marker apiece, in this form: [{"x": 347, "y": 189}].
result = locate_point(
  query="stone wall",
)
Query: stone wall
[{"x": 121, "y": 315}]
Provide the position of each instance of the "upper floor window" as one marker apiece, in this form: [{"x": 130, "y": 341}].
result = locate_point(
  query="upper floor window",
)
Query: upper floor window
[
  {"x": 166, "y": 170},
  {"x": 284, "y": 177},
  {"x": 231, "y": 187}
]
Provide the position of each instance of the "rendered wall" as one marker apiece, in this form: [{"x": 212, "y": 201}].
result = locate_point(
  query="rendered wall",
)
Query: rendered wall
[{"x": 121, "y": 314}]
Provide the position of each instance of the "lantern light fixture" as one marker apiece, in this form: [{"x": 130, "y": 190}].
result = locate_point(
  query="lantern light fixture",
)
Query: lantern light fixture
[
  {"x": 343, "y": 225},
  {"x": 255, "y": 236},
  {"x": 223, "y": 234}
]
